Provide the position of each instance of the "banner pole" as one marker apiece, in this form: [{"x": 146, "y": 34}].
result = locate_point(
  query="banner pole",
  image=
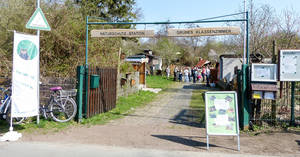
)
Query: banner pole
[
  {"x": 38, "y": 78},
  {"x": 238, "y": 140},
  {"x": 207, "y": 142},
  {"x": 10, "y": 101},
  {"x": 10, "y": 125}
]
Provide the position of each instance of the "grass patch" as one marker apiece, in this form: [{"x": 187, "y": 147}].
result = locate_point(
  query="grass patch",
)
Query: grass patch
[
  {"x": 124, "y": 106},
  {"x": 30, "y": 125},
  {"x": 158, "y": 82},
  {"x": 198, "y": 105}
]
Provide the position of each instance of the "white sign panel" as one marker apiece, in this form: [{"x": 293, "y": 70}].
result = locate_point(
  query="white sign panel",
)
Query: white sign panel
[
  {"x": 264, "y": 72},
  {"x": 227, "y": 67},
  {"x": 289, "y": 65},
  {"x": 25, "y": 99},
  {"x": 192, "y": 32}
]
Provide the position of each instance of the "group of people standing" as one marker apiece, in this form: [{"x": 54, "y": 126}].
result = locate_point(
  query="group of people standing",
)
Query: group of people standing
[{"x": 189, "y": 74}]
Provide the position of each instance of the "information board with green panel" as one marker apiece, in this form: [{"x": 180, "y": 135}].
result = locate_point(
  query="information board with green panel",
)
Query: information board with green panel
[{"x": 221, "y": 114}]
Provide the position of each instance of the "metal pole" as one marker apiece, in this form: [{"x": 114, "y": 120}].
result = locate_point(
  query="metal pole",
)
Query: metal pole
[
  {"x": 159, "y": 23},
  {"x": 293, "y": 104},
  {"x": 86, "y": 66},
  {"x": 80, "y": 75},
  {"x": 86, "y": 41},
  {"x": 207, "y": 142},
  {"x": 247, "y": 35},
  {"x": 38, "y": 79},
  {"x": 238, "y": 140},
  {"x": 245, "y": 23},
  {"x": 245, "y": 74},
  {"x": 11, "y": 121}
]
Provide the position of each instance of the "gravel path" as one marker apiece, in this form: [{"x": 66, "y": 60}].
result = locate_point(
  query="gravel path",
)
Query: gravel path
[{"x": 167, "y": 123}]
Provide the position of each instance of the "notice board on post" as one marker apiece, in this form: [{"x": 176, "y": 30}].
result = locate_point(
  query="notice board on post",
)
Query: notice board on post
[
  {"x": 221, "y": 114},
  {"x": 264, "y": 72},
  {"x": 289, "y": 65}
]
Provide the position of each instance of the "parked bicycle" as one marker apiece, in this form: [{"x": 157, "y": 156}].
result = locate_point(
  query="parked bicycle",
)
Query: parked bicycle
[
  {"x": 5, "y": 106},
  {"x": 61, "y": 106}
]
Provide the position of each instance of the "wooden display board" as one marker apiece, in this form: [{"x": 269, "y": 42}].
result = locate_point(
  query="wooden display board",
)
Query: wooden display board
[
  {"x": 221, "y": 114},
  {"x": 192, "y": 32},
  {"x": 133, "y": 33}
]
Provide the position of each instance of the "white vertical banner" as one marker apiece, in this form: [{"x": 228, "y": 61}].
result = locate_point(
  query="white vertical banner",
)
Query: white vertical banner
[{"x": 25, "y": 76}]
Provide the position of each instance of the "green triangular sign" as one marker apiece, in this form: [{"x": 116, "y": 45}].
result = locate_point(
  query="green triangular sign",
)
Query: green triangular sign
[{"x": 38, "y": 21}]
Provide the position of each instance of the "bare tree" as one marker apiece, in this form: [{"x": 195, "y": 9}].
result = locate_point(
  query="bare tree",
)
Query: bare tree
[{"x": 287, "y": 28}]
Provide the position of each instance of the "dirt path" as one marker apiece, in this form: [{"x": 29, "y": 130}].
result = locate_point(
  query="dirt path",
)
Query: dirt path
[{"x": 167, "y": 123}]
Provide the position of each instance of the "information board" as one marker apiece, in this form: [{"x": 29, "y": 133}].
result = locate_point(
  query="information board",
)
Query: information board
[
  {"x": 289, "y": 65},
  {"x": 221, "y": 113},
  {"x": 264, "y": 72}
]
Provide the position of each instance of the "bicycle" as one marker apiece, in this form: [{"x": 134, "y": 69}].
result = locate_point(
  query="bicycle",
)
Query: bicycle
[
  {"x": 61, "y": 106},
  {"x": 5, "y": 106}
]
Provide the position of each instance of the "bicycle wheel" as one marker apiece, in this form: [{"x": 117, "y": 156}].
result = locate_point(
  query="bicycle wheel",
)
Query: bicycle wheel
[
  {"x": 63, "y": 110},
  {"x": 15, "y": 120}
]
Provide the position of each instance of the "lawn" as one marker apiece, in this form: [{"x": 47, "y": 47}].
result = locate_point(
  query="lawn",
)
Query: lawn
[
  {"x": 158, "y": 82},
  {"x": 198, "y": 105},
  {"x": 124, "y": 106}
]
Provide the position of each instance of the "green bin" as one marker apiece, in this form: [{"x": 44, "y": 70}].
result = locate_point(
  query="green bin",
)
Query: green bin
[{"x": 95, "y": 81}]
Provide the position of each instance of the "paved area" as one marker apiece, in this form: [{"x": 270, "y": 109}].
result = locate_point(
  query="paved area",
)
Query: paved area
[{"x": 33, "y": 149}]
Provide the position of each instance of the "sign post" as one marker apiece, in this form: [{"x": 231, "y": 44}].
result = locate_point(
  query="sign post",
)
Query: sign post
[
  {"x": 221, "y": 114},
  {"x": 39, "y": 22}
]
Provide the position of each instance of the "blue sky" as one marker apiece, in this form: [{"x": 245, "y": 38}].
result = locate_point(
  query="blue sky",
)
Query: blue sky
[
  {"x": 189, "y": 10},
  {"x": 178, "y": 10}
]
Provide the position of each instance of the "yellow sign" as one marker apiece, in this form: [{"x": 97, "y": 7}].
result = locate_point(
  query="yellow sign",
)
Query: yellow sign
[
  {"x": 122, "y": 33},
  {"x": 203, "y": 31},
  {"x": 257, "y": 95}
]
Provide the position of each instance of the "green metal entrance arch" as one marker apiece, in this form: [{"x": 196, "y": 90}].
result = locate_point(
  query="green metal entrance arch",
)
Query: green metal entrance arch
[{"x": 245, "y": 101}]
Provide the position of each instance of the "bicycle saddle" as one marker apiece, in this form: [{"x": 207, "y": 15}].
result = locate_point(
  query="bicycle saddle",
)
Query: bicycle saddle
[{"x": 56, "y": 88}]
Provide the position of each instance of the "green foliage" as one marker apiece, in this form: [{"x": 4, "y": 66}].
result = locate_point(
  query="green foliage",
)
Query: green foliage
[
  {"x": 63, "y": 48},
  {"x": 126, "y": 67},
  {"x": 166, "y": 49},
  {"x": 110, "y": 10}
]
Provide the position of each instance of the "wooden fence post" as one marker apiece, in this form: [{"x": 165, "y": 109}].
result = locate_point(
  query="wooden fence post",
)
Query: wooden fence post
[{"x": 273, "y": 113}]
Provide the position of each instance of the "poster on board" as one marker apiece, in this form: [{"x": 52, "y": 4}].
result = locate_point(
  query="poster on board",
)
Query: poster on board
[
  {"x": 289, "y": 65},
  {"x": 25, "y": 81},
  {"x": 221, "y": 114}
]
